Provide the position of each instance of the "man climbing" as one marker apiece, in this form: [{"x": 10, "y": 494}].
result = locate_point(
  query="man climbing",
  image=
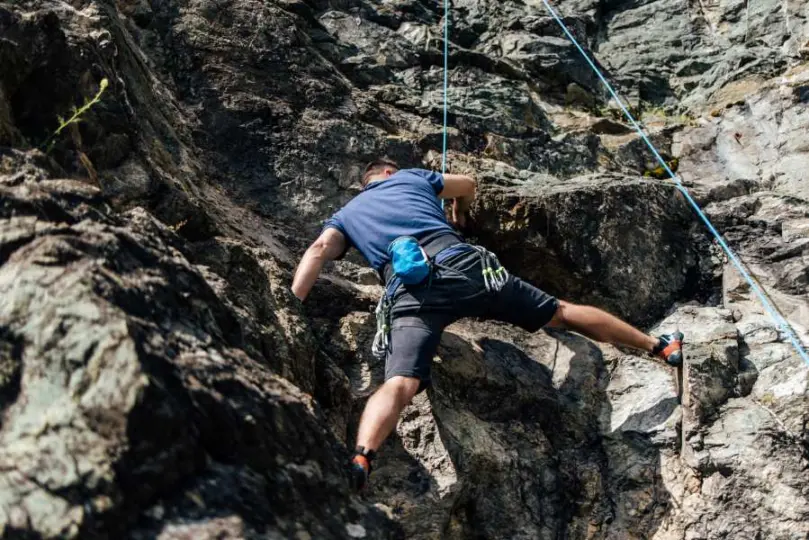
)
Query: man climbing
[{"x": 432, "y": 279}]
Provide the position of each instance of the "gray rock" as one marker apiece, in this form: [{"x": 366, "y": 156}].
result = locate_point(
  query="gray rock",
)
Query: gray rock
[
  {"x": 601, "y": 240},
  {"x": 125, "y": 377},
  {"x": 157, "y": 377}
]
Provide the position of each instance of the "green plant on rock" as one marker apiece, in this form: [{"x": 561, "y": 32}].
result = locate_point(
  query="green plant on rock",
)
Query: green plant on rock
[
  {"x": 177, "y": 226},
  {"x": 660, "y": 172},
  {"x": 658, "y": 112},
  {"x": 76, "y": 117},
  {"x": 663, "y": 115},
  {"x": 615, "y": 113}
]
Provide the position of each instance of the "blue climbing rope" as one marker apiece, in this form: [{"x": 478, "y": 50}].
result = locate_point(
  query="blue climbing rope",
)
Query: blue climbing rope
[
  {"x": 768, "y": 306},
  {"x": 446, "y": 84}
]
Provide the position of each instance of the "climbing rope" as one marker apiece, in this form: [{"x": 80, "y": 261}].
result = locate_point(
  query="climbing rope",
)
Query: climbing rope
[
  {"x": 780, "y": 321},
  {"x": 446, "y": 84}
]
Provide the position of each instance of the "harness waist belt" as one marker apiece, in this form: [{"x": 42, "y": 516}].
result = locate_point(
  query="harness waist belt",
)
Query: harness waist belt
[{"x": 433, "y": 248}]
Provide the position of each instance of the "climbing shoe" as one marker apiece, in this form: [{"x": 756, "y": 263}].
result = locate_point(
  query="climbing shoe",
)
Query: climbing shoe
[
  {"x": 670, "y": 348},
  {"x": 360, "y": 467}
]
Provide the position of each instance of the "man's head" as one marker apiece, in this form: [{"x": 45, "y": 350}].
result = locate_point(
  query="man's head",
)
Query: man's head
[{"x": 379, "y": 169}]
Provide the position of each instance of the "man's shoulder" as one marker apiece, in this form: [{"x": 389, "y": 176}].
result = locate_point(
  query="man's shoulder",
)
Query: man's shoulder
[
  {"x": 424, "y": 175},
  {"x": 433, "y": 179},
  {"x": 416, "y": 171}
]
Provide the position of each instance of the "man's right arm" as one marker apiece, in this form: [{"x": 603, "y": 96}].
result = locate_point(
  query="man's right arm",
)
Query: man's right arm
[{"x": 330, "y": 245}]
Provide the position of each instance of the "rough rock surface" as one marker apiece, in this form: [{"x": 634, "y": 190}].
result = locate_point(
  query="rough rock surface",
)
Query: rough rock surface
[
  {"x": 126, "y": 379},
  {"x": 159, "y": 380}
]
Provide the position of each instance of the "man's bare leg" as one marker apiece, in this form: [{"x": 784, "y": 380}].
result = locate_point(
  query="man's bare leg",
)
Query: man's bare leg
[
  {"x": 601, "y": 326},
  {"x": 383, "y": 409},
  {"x": 378, "y": 420}
]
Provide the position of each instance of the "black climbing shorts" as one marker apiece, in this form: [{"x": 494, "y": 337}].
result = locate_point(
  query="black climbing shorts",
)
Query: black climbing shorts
[{"x": 420, "y": 313}]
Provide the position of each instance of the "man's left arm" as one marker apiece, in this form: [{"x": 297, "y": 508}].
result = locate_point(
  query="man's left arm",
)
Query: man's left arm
[
  {"x": 329, "y": 246},
  {"x": 462, "y": 188}
]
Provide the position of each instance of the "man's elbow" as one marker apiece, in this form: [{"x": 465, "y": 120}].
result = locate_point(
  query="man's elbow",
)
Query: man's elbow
[
  {"x": 326, "y": 249},
  {"x": 458, "y": 185},
  {"x": 470, "y": 186},
  {"x": 319, "y": 250}
]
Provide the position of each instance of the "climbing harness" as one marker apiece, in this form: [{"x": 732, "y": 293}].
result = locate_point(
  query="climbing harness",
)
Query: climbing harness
[
  {"x": 494, "y": 274},
  {"x": 779, "y": 320}
]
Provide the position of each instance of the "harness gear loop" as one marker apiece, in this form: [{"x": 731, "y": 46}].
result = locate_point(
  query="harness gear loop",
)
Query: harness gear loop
[
  {"x": 382, "y": 336},
  {"x": 495, "y": 275}
]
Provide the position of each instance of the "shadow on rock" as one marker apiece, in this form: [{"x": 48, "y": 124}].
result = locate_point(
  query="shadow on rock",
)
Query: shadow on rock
[{"x": 526, "y": 420}]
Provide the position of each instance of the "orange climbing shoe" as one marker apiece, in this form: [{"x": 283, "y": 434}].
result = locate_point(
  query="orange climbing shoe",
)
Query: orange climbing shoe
[
  {"x": 360, "y": 468},
  {"x": 670, "y": 348}
]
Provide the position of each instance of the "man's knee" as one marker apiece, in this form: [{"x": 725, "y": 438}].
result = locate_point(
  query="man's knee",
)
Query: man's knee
[
  {"x": 559, "y": 319},
  {"x": 404, "y": 387}
]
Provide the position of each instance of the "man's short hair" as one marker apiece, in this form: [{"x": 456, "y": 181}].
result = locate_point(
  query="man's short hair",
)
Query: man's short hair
[{"x": 376, "y": 167}]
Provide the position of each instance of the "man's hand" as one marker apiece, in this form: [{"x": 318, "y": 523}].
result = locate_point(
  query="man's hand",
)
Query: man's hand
[
  {"x": 460, "y": 207},
  {"x": 461, "y": 188},
  {"x": 329, "y": 245}
]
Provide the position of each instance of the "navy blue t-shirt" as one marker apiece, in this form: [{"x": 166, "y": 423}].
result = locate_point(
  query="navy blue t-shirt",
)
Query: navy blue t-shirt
[{"x": 405, "y": 204}]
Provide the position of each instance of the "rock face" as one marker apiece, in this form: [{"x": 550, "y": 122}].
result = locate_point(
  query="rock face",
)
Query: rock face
[
  {"x": 159, "y": 380},
  {"x": 130, "y": 401},
  {"x": 619, "y": 254}
]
